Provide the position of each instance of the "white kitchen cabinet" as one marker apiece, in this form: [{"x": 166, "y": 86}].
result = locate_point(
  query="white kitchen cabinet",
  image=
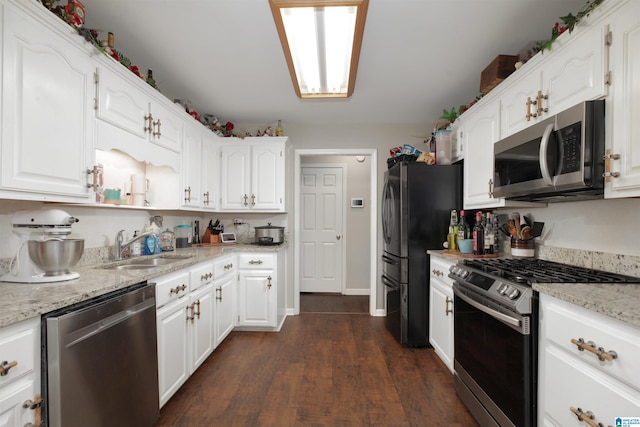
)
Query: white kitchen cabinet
[
  {"x": 201, "y": 323},
  {"x": 573, "y": 71},
  {"x": 200, "y": 170},
  {"x": 20, "y": 383},
  {"x": 172, "y": 303},
  {"x": 47, "y": 102},
  {"x": 260, "y": 291},
  {"x": 134, "y": 120},
  {"x": 225, "y": 297},
  {"x": 572, "y": 378},
  {"x": 623, "y": 110},
  {"x": 253, "y": 175},
  {"x": 441, "y": 309},
  {"x": 478, "y": 129}
]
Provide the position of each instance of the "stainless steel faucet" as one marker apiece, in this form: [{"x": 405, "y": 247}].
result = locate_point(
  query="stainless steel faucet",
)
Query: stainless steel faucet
[{"x": 121, "y": 246}]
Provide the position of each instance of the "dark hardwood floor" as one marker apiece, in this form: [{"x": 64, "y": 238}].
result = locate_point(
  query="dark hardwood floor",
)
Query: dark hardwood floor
[{"x": 319, "y": 370}]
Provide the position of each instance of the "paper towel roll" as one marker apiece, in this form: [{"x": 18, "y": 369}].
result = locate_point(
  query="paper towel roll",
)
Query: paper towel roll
[{"x": 138, "y": 184}]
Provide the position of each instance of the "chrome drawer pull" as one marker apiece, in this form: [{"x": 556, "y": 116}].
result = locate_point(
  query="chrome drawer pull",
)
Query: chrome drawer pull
[
  {"x": 255, "y": 262},
  {"x": 590, "y": 346}
]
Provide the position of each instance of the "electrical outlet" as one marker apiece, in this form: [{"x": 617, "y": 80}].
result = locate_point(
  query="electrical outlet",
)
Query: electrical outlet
[{"x": 238, "y": 221}]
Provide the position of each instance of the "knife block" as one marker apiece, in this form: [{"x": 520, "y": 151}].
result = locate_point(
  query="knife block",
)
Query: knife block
[{"x": 209, "y": 237}]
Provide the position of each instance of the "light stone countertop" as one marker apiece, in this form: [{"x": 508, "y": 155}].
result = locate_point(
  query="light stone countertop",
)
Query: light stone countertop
[
  {"x": 619, "y": 301},
  {"x": 21, "y": 301}
]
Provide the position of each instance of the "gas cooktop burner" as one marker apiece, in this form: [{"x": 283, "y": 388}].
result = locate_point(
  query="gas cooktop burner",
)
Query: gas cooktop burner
[{"x": 542, "y": 271}]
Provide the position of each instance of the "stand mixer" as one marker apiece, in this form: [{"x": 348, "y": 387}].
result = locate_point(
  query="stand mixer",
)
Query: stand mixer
[{"x": 45, "y": 253}]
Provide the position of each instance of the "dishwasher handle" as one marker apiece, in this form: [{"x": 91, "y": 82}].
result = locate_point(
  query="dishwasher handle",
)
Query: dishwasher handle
[{"x": 108, "y": 322}]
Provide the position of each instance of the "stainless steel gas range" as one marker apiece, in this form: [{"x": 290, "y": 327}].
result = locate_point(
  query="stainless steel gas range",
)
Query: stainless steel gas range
[{"x": 496, "y": 333}]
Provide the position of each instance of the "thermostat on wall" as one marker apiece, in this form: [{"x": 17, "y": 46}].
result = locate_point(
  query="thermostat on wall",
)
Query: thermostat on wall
[
  {"x": 228, "y": 237},
  {"x": 357, "y": 202}
]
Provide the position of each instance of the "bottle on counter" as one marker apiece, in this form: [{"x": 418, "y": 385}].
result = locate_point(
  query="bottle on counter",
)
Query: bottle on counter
[
  {"x": 478, "y": 235},
  {"x": 489, "y": 234},
  {"x": 137, "y": 248},
  {"x": 279, "y": 129},
  {"x": 464, "y": 230},
  {"x": 452, "y": 236}
]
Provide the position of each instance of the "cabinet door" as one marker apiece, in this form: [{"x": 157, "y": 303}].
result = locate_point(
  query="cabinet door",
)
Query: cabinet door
[
  {"x": 480, "y": 132},
  {"x": 121, "y": 105},
  {"x": 576, "y": 72},
  {"x": 12, "y": 413},
  {"x": 210, "y": 171},
  {"x": 224, "y": 308},
  {"x": 514, "y": 102},
  {"x": 257, "y": 298},
  {"x": 192, "y": 168},
  {"x": 235, "y": 182},
  {"x": 47, "y": 103},
  {"x": 202, "y": 325},
  {"x": 623, "y": 135},
  {"x": 441, "y": 321},
  {"x": 173, "y": 348},
  {"x": 168, "y": 126},
  {"x": 267, "y": 181}
]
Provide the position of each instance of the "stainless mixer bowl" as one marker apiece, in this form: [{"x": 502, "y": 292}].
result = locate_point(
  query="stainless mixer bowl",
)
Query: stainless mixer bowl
[{"x": 55, "y": 257}]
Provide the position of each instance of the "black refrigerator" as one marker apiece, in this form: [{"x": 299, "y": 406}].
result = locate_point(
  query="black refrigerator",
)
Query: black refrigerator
[{"x": 417, "y": 200}]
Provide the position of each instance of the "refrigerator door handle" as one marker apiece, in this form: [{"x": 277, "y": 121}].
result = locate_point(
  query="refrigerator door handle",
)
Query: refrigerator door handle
[
  {"x": 389, "y": 283},
  {"x": 388, "y": 260}
]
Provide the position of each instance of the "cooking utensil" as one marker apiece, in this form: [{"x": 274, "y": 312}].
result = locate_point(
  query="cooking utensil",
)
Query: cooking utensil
[
  {"x": 55, "y": 256},
  {"x": 536, "y": 230},
  {"x": 526, "y": 233},
  {"x": 269, "y": 234},
  {"x": 511, "y": 228},
  {"x": 516, "y": 220}
]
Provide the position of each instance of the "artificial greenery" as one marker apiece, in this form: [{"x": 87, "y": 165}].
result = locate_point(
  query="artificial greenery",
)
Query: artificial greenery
[{"x": 570, "y": 21}]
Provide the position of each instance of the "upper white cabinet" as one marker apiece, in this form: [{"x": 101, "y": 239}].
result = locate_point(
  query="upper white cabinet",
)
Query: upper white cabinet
[
  {"x": 134, "y": 119},
  {"x": 623, "y": 126},
  {"x": 575, "y": 70},
  {"x": 200, "y": 168},
  {"x": 478, "y": 131},
  {"x": 253, "y": 174},
  {"x": 47, "y": 102}
]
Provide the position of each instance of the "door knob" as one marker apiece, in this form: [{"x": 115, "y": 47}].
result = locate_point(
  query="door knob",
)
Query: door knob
[{"x": 338, "y": 236}]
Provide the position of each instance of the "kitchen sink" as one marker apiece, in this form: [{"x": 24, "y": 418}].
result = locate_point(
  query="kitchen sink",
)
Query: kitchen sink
[{"x": 148, "y": 263}]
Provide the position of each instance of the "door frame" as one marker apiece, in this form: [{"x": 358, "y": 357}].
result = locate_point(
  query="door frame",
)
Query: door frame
[{"x": 372, "y": 155}]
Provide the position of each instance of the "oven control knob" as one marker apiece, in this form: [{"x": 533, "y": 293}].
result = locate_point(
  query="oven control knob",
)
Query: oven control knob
[
  {"x": 463, "y": 273},
  {"x": 502, "y": 289},
  {"x": 513, "y": 293}
]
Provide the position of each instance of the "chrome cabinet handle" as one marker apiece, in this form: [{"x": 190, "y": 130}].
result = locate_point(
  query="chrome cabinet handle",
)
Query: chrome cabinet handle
[
  {"x": 187, "y": 194},
  {"x": 255, "y": 262},
  {"x": 157, "y": 134},
  {"x": 148, "y": 127},
  {"x": 437, "y": 273},
  {"x": 447, "y": 310},
  {"x": 245, "y": 200},
  {"x": 590, "y": 346},
  {"x": 269, "y": 282},
  {"x": 253, "y": 200},
  {"x": 219, "y": 293},
  {"x": 539, "y": 99},
  {"x": 206, "y": 198},
  {"x": 490, "y": 187}
]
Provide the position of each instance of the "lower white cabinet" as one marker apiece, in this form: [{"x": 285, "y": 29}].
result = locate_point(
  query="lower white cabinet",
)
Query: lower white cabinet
[
  {"x": 225, "y": 297},
  {"x": 441, "y": 309},
  {"x": 173, "y": 342},
  {"x": 573, "y": 381},
  {"x": 200, "y": 319},
  {"x": 260, "y": 291},
  {"x": 20, "y": 379}
]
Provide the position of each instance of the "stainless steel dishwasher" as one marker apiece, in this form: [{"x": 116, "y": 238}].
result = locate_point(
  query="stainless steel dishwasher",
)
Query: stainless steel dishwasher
[{"x": 100, "y": 362}]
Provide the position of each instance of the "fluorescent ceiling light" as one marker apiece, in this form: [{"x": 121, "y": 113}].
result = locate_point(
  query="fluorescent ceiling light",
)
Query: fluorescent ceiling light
[{"x": 321, "y": 40}]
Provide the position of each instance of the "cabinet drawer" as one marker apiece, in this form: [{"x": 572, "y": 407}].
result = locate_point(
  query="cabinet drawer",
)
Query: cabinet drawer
[
  {"x": 439, "y": 269},
  {"x": 579, "y": 385},
  {"x": 171, "y": 287},
  {"x": 257, "y": 261},
  {"x": 224, "y": 266},
  {"x": 563, "y": 321},
  {"x": 200, "y": 275},
  {"x": 18, "y": 344}
]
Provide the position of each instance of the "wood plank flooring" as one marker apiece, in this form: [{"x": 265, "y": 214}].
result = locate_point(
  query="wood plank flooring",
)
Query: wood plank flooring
[{"x": 319, "y": 370}]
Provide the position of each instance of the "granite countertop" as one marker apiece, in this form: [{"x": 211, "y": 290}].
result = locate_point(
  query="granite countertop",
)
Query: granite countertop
[
  {"x": 619, "y": 301},
  {"x": 21, "y": 301}
]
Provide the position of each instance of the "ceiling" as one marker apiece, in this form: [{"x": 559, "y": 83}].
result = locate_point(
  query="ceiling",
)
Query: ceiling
[{"x": 418, "y": 56}]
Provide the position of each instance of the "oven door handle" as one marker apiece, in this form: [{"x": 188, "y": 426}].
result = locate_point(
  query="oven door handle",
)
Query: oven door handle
[{"x": 491, "y": 312}]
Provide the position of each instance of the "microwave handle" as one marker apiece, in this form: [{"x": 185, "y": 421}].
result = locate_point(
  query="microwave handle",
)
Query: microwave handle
[{"x": 544, "y": 144}]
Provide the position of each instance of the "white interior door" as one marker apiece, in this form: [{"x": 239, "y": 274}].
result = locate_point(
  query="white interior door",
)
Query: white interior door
[{"x": 321, "y": 242}]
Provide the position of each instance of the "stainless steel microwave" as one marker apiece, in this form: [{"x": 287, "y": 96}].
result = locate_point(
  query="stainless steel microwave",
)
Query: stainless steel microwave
[{"x": 558, "y": 159}]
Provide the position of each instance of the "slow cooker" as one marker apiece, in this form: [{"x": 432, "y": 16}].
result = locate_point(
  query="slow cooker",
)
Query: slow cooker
[{"x": 269, "y": 235}]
